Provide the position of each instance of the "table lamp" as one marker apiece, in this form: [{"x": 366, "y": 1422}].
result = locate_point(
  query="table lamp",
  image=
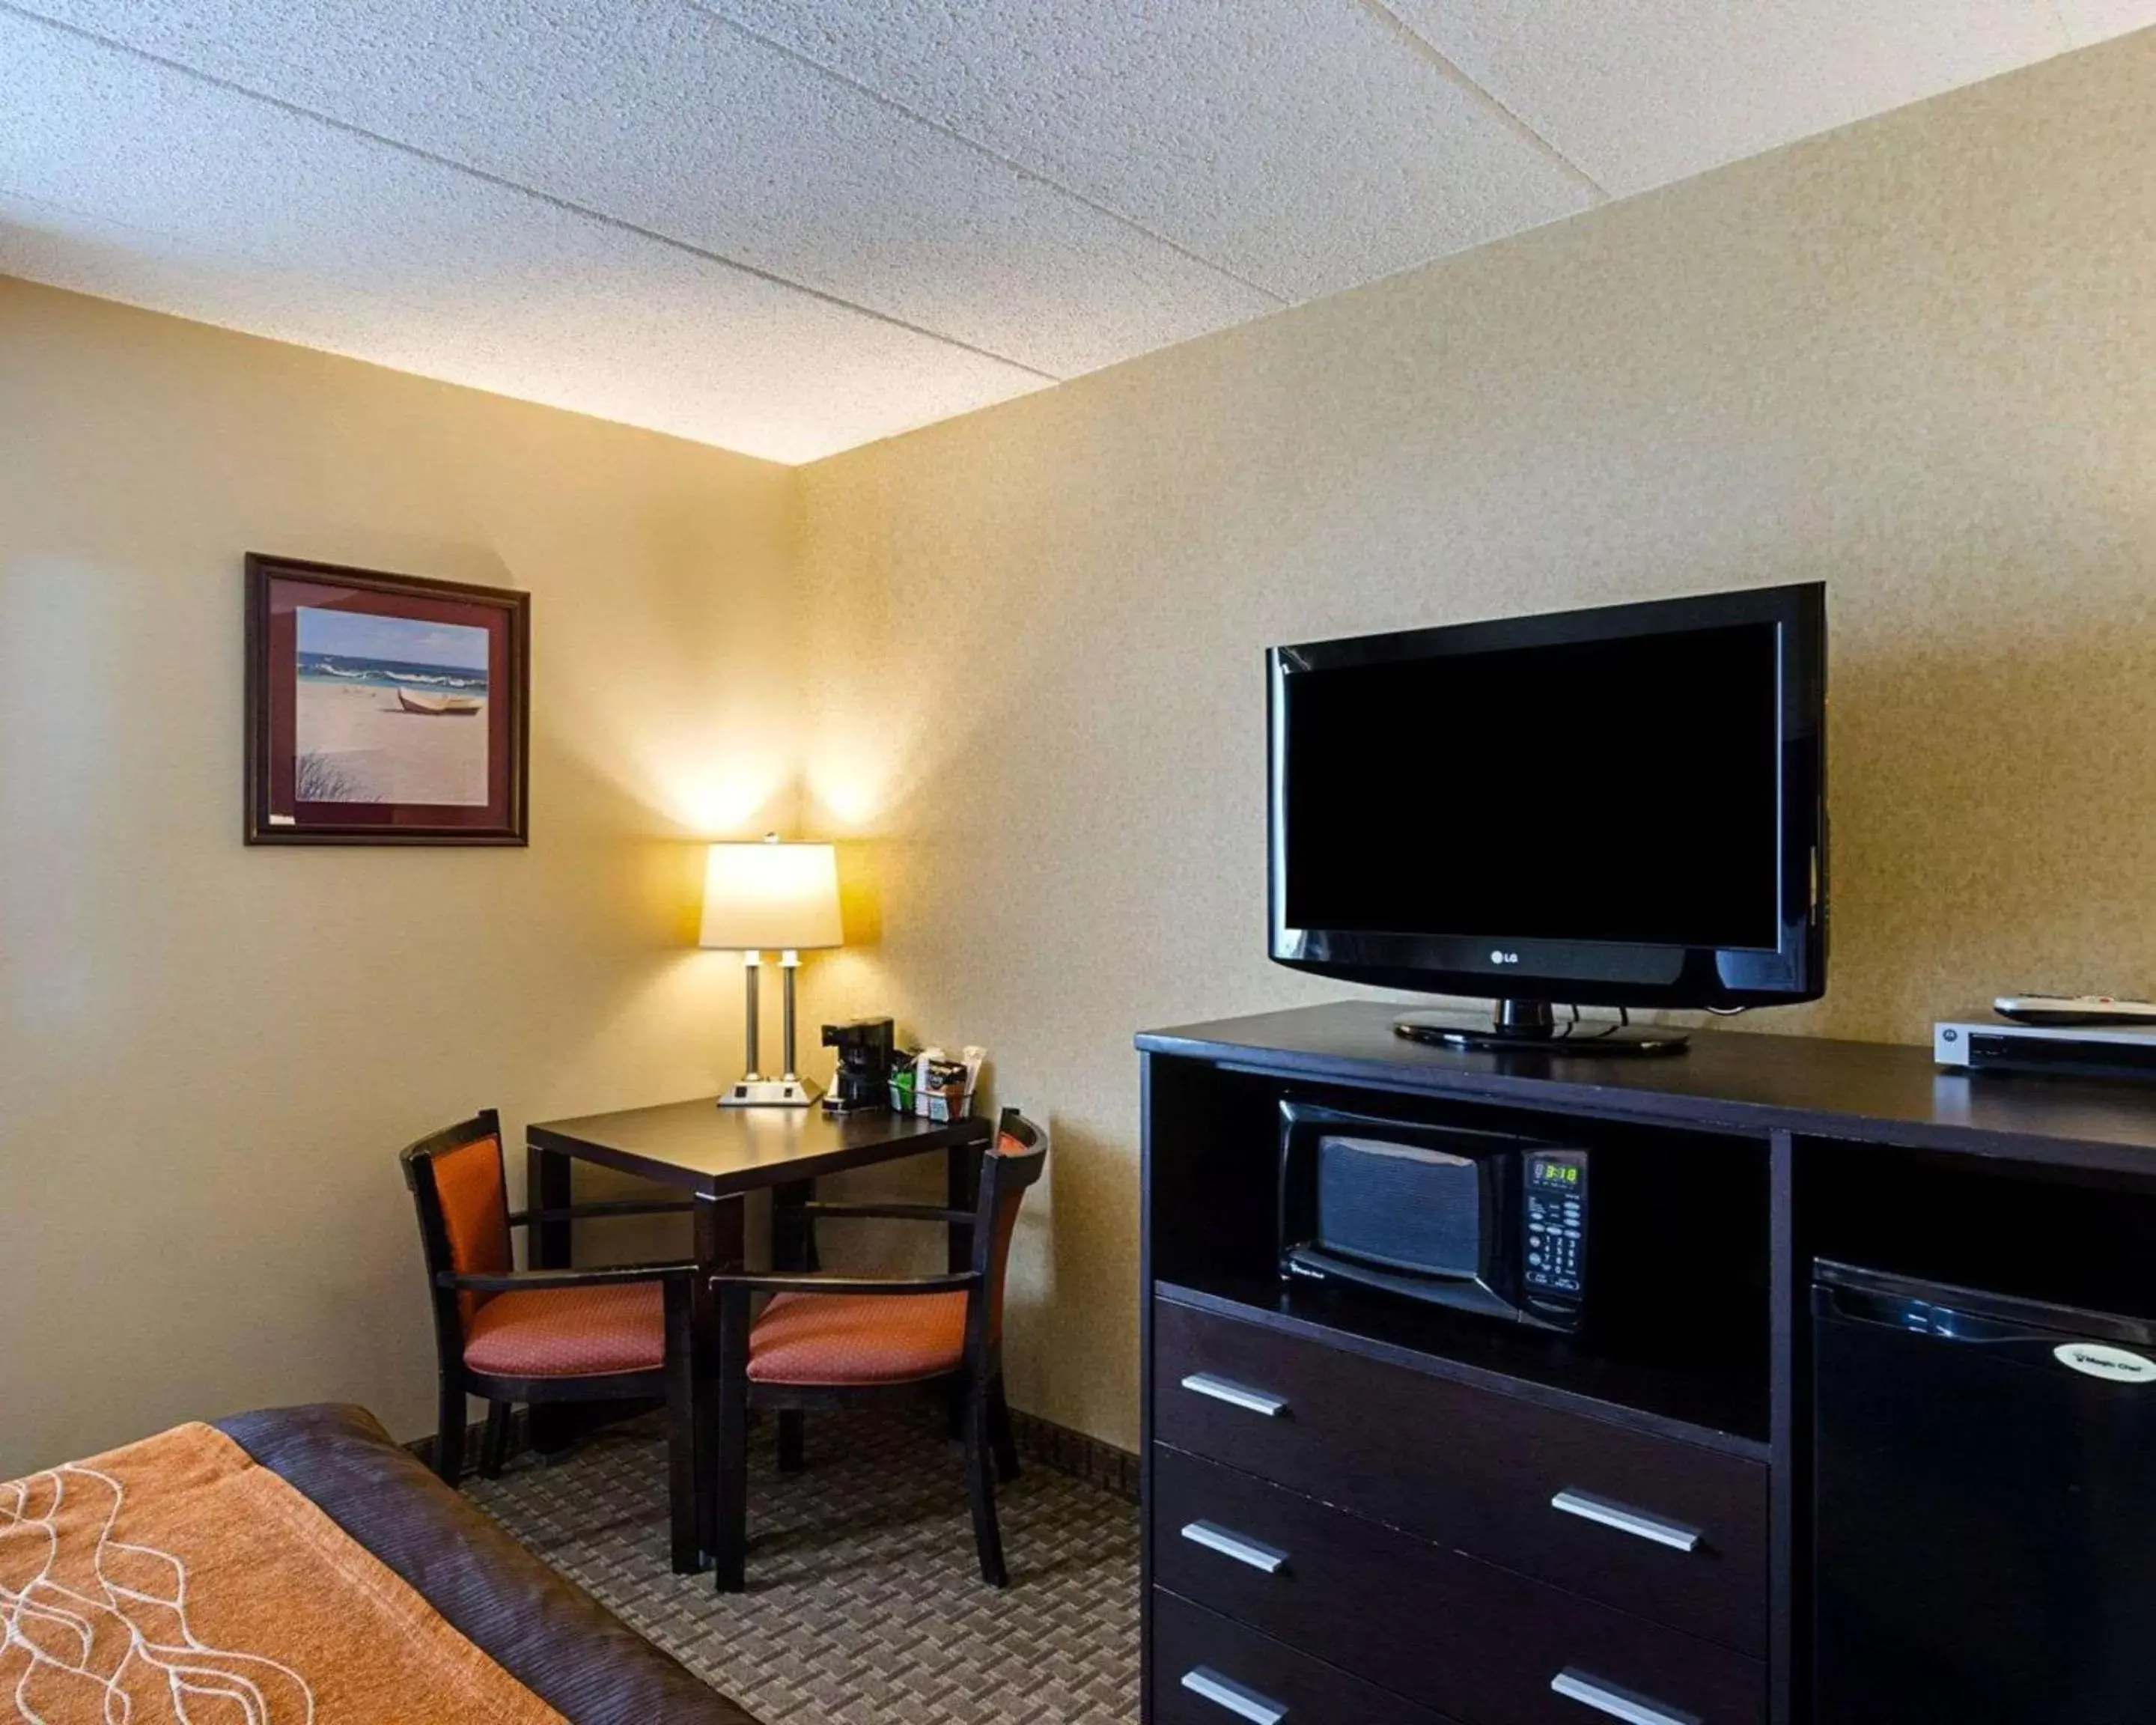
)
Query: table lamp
[{"x": 760, "y": 898}]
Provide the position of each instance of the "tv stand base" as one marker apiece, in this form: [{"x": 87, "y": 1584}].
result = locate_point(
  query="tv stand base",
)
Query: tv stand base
[{"x": 1531, "y": 1027}]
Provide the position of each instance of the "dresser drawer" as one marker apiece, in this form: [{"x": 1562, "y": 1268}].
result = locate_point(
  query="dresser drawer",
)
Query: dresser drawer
[
  {"x": 1445, "y": 1630},
  {"x": 1670, "y": 1530},
  {"x": 1207, "y": 1670}
]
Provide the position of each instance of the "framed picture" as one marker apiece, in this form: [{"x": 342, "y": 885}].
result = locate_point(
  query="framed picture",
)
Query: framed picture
[{"x": 383, "y": 709}]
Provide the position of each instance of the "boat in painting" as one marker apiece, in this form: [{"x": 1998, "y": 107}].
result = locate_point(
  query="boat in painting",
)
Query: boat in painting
[{"x": 439, "y": 706}]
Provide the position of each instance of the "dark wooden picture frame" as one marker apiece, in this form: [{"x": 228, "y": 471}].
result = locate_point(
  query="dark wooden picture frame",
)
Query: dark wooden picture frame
[{"x": 416, "y": 693}]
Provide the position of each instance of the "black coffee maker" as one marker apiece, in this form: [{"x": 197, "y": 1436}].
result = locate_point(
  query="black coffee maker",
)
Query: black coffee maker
[{"x": 863, "y": 1080}]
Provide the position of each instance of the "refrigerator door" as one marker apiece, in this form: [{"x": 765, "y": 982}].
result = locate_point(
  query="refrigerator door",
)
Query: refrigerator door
[{"x": 1985, "y": 1508}]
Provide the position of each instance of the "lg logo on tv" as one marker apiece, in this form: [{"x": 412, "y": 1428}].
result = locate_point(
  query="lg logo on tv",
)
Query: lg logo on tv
[{"x": 1499, "y": 955}]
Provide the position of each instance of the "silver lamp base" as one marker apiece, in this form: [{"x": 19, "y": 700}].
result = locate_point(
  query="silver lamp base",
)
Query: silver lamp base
[
  {"x": 770, "y": 1093},
  {"x": 755, "y": 1090}
]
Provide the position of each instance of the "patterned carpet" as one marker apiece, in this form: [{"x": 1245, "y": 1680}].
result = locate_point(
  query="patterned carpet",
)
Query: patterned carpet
[{"x": 864, "y": 1606}]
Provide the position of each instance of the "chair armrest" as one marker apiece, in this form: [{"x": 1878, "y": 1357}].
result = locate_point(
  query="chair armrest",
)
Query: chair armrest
[
  {"x": 580, "y": 1212},
  {"x": 611, "y": 1275},
  {"x": 821, "y": 1281},
  {"x": 890, "y": 1212}
]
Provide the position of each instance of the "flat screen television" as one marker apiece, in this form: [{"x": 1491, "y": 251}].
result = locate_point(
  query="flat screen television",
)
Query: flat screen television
[{"x": 1622, "y": 807}]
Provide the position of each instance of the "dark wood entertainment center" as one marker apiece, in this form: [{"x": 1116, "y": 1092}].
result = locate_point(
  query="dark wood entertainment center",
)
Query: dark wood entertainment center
[{"x": 1351, "y": 1520}]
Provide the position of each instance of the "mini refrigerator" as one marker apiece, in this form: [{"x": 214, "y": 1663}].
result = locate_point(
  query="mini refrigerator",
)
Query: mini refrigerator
[{"x": 1985, "y": 1507}]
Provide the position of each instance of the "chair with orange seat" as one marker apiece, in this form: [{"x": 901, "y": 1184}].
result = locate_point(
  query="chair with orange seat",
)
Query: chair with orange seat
[
  {"x": 545, "y": 1335},
  {"x": 828, "y": 1339}
]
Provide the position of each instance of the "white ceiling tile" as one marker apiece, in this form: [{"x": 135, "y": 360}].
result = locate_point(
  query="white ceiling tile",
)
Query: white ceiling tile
[
  {"x": 791, "y": 226},
  {"x": 2089, "y": 22},
  {"x": 1306, "y": 145},
  {"x": 245, "y": 214},
  {"x": 1645, "y": 92},
  {"x": 669, "y": 118}
]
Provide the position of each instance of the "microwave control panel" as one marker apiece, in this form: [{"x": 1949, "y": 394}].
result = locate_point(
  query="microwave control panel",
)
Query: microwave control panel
[{"x": 1554, "y": 1253}]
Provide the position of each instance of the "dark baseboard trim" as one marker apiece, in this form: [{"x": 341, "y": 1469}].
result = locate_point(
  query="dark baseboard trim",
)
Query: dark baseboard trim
[
  {"x": 1039, "y": 1440},
  {"x": 1076, "y": 1453}
]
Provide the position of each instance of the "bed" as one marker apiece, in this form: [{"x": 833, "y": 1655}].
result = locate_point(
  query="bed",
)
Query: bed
[{"x": 296, "y": 1564}]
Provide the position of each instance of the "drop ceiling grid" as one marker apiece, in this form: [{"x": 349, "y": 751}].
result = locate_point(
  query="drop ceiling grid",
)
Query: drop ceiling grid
[
  {"x": 657, "y": 114},
  {"x": 1640, "y": 95},
  {"x": 1304, "y": 146},
  {"x": 330, "y": 240},
  {"x": 791, "y": 226},
  {"x": 2089, "y": 22}
]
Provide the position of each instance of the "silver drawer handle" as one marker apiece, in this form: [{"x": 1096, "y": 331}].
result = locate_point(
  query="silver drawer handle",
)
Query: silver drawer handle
[
  {"x": 1214, "y": 1538},
  {"x": 1619, "y": 1703},
  {"x": 1635, "y": 1522},
  {"x": 1236, "y": 1395},
  {"x": 1225, "y": 1692}
]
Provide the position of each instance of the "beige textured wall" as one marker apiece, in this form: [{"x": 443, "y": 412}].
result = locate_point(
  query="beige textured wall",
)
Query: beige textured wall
[
  {"x": 209, "y": 1054},
  {"x": 1020, "y": 671},
  {"x": 1914, "y": 359}
]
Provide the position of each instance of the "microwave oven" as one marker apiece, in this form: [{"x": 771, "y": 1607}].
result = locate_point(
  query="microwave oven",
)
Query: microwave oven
[{"x": 1481, "y": 1221}]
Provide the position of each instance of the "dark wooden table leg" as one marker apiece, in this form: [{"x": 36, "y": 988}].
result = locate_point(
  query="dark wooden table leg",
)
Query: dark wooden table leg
[
  {"x": 961, "y": 1191},
  {"x": 552, "y": 1427},
  {"x": 721, "y": 1243},
  {"x": 793, "y": 1236},
  {"x": 793, "y": 1247},
  {"x": 548, "y": 1186},
  {"x": 962, "y": 1187}
]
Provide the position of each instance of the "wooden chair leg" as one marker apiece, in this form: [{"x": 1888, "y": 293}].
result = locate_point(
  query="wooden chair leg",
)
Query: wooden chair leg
[
  {"x": 705, "y": 1400},
  {"x": 685, "y": 1550},
  {"x": 730, "y": 1538},
  {"x": 793, "y": 1440},
  {"x": 494, "y": 1446},
  {"x": 981, "y": 1489},
  {"x": 999, "y": 1433},
  {"x": 449, "y": 1433}
]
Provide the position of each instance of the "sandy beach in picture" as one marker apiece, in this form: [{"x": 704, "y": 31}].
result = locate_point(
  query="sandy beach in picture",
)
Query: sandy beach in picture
[
  {"x": 390, "y": 711},
  {"x": 358, "y": 745}
]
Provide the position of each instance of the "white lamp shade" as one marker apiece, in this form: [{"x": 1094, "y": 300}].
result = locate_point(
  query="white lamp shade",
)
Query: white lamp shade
[{"x": 768, "y": 897}]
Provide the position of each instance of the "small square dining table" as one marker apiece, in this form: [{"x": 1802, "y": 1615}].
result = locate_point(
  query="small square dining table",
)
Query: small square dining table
[{"x": 717, "y": 1157}]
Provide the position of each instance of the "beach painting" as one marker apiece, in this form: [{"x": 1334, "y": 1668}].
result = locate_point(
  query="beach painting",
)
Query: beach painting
[
  {"x": 384, "y": 708},
  {"x": 389, "y": 710}
]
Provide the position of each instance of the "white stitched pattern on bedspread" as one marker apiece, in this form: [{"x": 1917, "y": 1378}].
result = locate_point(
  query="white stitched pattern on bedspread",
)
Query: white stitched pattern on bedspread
[{"x": 99, "y": 1627}]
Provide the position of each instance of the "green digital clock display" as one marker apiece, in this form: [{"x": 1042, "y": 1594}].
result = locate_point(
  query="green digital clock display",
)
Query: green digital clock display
[{"x": 1557, "y": 1174}]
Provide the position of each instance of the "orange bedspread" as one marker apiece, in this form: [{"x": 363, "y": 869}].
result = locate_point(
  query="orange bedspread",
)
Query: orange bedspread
[{"x": 174, "y": 1582}]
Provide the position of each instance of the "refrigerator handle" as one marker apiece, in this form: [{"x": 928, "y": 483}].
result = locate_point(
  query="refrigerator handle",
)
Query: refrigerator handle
[{"x": 1922, "y": 1317}]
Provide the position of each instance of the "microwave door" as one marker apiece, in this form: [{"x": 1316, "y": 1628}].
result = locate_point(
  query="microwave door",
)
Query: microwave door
[
  {"x": 1404, "y": 1218},
  {"x": 1402, "y": 1207}
]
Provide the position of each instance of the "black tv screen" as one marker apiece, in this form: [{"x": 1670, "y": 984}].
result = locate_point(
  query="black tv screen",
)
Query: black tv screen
[
  {"x": 1618, "y": 806},
  {"x": 1597, "y": 790}
]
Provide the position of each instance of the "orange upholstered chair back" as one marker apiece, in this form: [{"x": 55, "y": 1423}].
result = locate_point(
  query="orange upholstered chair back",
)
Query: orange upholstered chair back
[
  {"x": 456, "y": 1177},
  {"x": 1013, "y": 1162}
]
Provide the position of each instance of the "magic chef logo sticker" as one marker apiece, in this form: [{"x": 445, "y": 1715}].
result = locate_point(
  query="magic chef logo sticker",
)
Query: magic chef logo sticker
[{"x": 2115, "y": 1364}]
